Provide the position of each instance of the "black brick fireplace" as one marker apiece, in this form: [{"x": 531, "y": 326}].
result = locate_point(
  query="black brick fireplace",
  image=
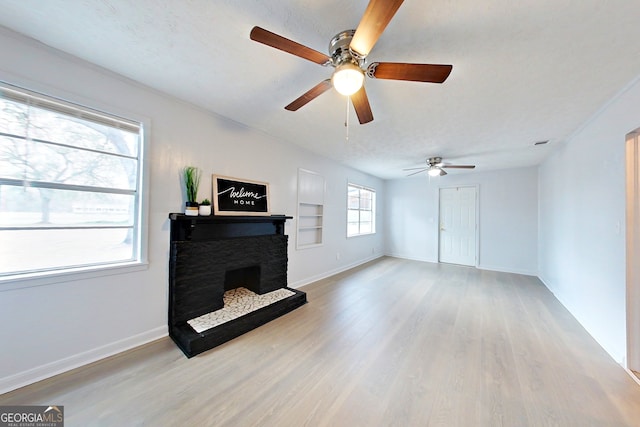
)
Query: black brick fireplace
[{"x": 210, "y": 255}]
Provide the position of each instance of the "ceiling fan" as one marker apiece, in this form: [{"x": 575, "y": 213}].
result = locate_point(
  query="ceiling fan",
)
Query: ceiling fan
[
  {"x": 435, "y": 167},
  {"x": 348, "y": 51}
]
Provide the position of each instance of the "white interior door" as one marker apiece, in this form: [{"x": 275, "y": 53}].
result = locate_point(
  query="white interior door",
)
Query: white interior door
[{"x": 458, "y": 225}]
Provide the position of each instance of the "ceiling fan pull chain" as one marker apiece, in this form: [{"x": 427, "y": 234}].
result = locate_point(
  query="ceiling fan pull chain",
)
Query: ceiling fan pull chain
[{"x": 346, "y": 122}]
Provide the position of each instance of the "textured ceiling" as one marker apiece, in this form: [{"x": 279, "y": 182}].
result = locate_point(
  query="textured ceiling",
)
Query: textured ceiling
[{"x": 523, "y": 71}]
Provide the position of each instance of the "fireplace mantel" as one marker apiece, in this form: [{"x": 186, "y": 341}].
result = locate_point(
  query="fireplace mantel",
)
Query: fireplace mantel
[
  {"x": 199, "y": 228},
  {"x": 210, "y": 254}
]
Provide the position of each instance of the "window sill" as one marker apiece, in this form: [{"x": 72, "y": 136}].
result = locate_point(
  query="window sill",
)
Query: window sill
[
  {"x": 29, "y": 280},
  {"x": 360, "y": 235}
]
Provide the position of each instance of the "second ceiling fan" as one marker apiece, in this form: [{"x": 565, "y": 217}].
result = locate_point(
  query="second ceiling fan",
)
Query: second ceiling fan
[
  {"x": 436, "y": 167},
  {"x": 348, "y": 52}
]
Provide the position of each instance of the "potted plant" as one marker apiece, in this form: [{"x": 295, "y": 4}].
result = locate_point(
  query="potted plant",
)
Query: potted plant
[
  {"x": 191, "y": 176},
  {"x": 205, "y": 207}
]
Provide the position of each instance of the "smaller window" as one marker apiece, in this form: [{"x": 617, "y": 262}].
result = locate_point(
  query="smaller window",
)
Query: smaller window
[{"x": 361, "y": 210}]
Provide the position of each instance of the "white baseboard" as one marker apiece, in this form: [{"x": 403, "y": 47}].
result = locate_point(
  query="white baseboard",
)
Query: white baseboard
[
  {"x": 410, "y": 258},
  {"x": 621, "y": 360},
  {"x": 48, "y": 370},
  {"x": 508, "y": 270},
  {"x": 311, "y": 279},
  {"x": 481, "y": 267},
  {"x": 631, "y": 374}
]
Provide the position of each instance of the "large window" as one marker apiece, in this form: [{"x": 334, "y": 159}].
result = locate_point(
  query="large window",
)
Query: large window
[
  {"x": 69, "y": 186},
  {"x": 361, "y": 210}
]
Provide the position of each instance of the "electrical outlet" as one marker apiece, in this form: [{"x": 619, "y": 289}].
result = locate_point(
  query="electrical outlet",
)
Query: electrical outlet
[{"x": 337, "y": 256}]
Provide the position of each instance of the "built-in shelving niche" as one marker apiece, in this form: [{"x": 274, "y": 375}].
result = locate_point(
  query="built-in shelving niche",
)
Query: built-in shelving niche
[{"x": 311, "y": 188}]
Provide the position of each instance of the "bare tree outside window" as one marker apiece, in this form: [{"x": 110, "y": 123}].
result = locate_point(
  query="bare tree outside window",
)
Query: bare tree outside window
[{"x": 69, "y": 182}]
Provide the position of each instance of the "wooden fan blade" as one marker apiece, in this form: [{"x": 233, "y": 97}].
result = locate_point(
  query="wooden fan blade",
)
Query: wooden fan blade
[
  {"x": 310, "y": 95},
  {"x": 412, "y": 169},
  {"x": 442, "y": 172},
  {"x": 263, "y": 36},
  {"x": 361, "y": 104},
  {"x": 430, "y": 73},
  {"x": 375, "y": 19},
  {"x": 415, "y": 173},
  {"x": 459, "y": 166}
]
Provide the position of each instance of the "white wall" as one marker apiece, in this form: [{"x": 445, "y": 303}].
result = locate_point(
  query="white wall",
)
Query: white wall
[
  {"x": 508, "y": 217},
  {"x": 52, "y": 328},
  {"x": 582, "y": 222}
]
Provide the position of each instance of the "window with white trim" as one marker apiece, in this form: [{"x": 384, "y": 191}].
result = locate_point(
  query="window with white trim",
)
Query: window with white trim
[
  {"x": 70, "y": 180},
  {"x": 361, "y": 210}
]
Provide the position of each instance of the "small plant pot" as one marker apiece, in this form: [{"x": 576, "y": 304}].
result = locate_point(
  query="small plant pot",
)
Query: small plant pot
[
  {"x": 204, "y": 210},
  {"x": 191, "y": 208}
]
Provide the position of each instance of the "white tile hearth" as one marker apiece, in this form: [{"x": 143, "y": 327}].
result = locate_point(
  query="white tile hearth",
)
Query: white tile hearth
[{"x": 237, "y": 302}]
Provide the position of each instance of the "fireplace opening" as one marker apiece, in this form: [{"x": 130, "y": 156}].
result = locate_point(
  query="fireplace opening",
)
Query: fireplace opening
[{"x": 247, "y": 277}]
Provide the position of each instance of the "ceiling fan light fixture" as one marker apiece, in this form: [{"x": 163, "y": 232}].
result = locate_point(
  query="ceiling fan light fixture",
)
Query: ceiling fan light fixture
[
  {"x": 434, "y": 171},
  {"x": 347, "y": 79}
]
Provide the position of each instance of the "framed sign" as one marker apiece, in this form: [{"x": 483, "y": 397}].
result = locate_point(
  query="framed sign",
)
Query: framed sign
[{"x": 234, "y": 197}]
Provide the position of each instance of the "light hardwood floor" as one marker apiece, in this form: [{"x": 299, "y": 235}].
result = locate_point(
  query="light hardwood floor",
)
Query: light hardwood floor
[{"x": 390, "y": 343}]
